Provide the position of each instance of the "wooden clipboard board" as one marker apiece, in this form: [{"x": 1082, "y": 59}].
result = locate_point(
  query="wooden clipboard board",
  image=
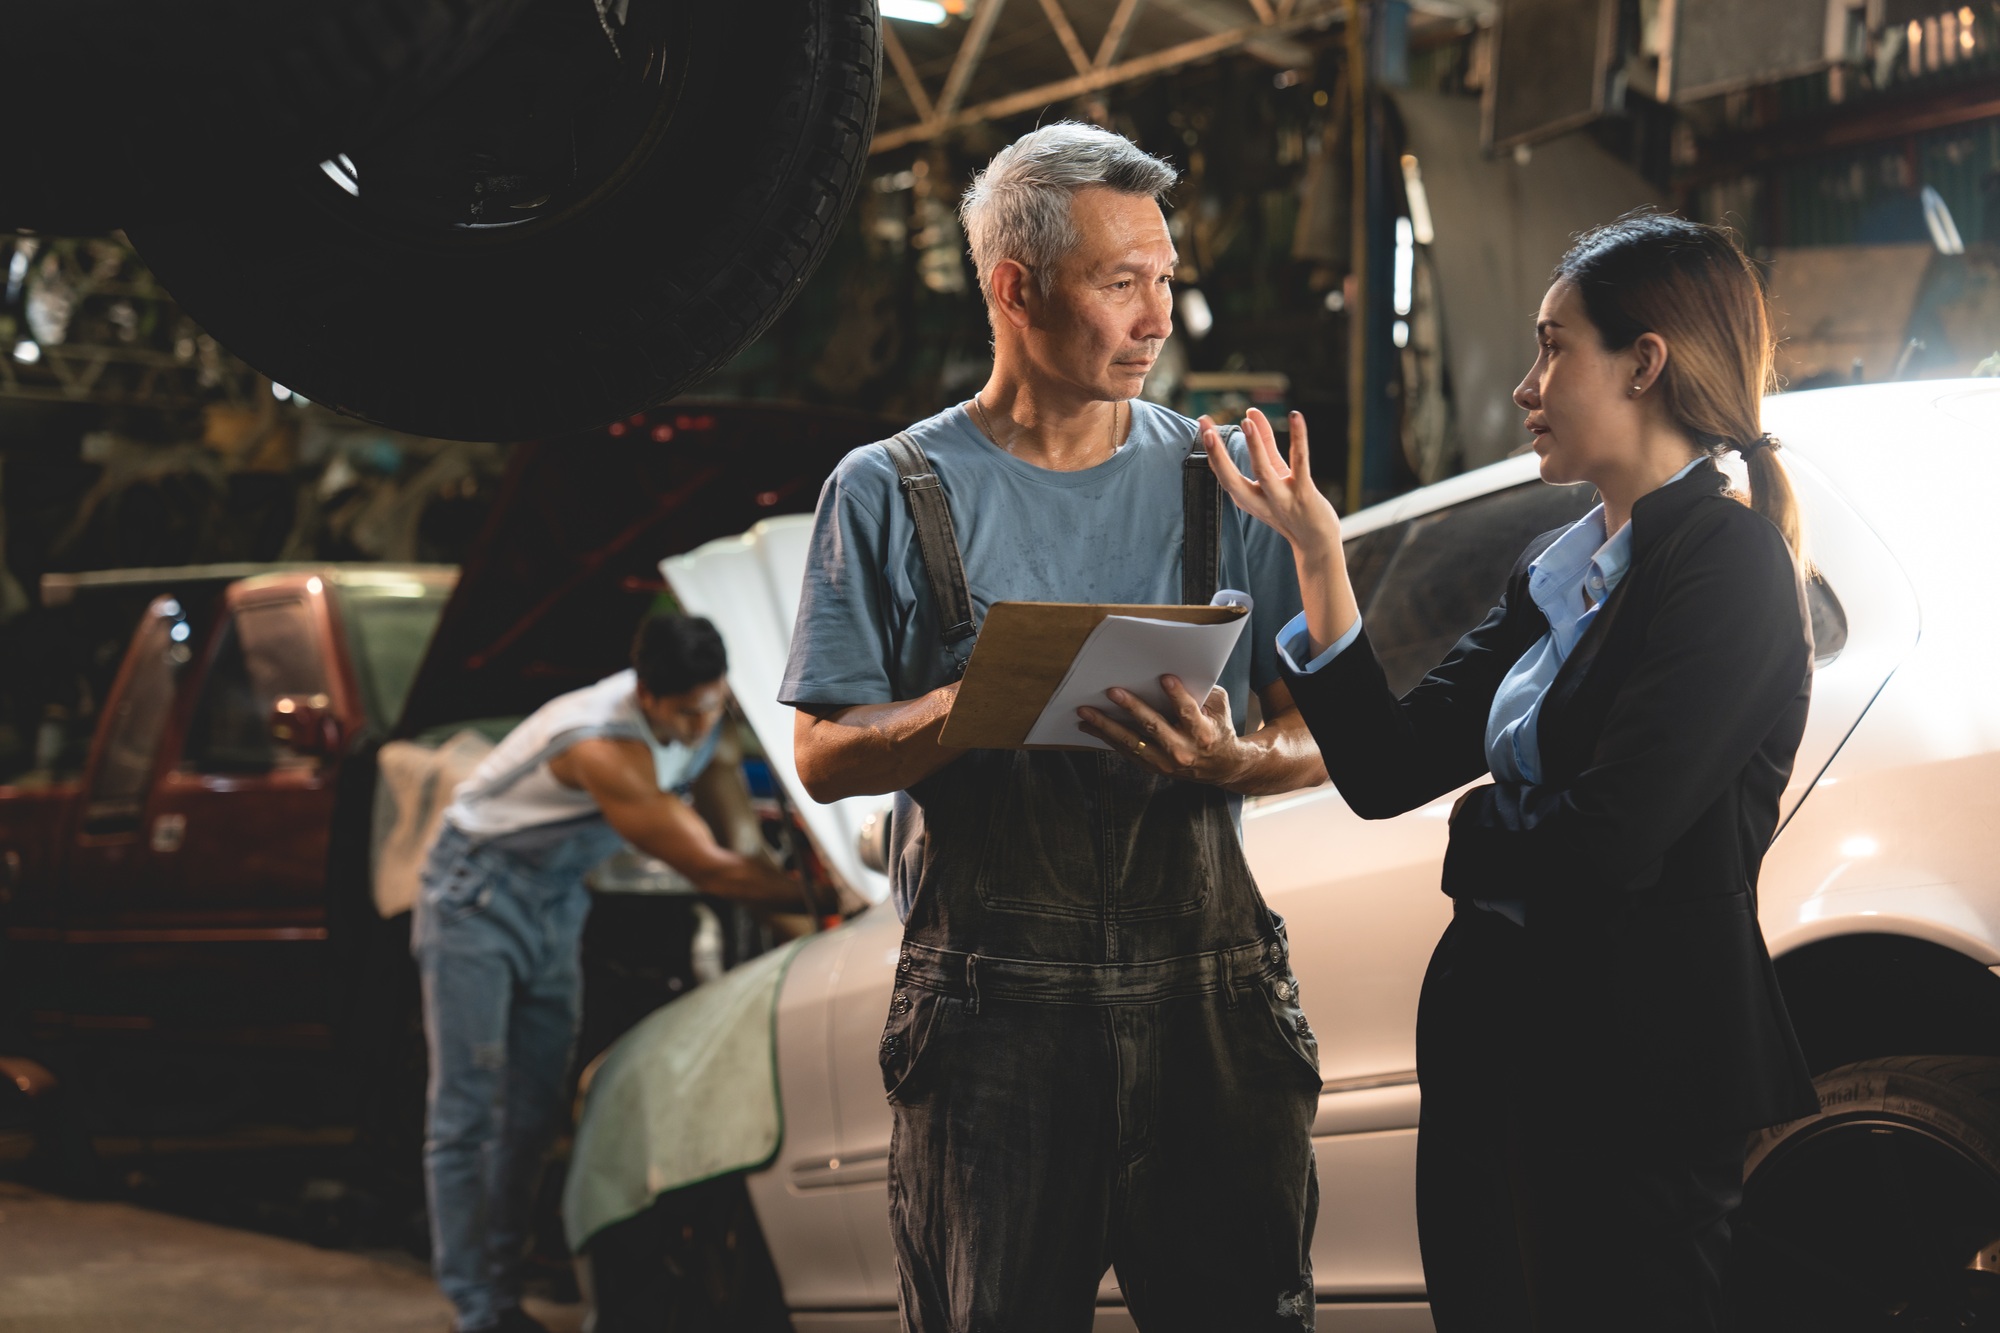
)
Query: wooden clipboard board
[{"x": 1024, "y": 651}]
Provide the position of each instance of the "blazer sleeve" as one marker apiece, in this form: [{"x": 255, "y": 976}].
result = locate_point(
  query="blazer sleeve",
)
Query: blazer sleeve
[
  {"x": 1390, "y": 755},
  {"x": 1725, "y": 652}
]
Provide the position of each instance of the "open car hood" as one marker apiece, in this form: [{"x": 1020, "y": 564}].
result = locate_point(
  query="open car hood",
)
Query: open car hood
[
  {"x": 568, "y": 561},
  {"x": 749, "y": 586}
]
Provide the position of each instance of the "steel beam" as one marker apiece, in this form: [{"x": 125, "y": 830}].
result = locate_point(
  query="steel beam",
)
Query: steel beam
[
  {"x": 1139, "y": 67},
  {"x": 1066, "y": 34},
  {"x": 967, "y": 64},
  {"x": 913, "y": 86}
]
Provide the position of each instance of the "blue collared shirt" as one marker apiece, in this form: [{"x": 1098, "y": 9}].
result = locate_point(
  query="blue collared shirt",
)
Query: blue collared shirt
[{"x": 1569, "y": 582}]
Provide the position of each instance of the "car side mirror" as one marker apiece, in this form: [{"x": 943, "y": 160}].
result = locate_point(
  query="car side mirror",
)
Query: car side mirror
[
  {"x": 306, "y": 724},
  {"x": 873, "y": 841}
]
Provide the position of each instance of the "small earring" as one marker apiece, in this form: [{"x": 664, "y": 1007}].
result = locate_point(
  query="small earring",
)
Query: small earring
[{"x": 1635, "y": 390}]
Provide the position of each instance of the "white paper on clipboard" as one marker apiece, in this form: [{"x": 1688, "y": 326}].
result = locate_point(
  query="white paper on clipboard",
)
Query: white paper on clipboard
[{"x": 1132, "y": 653}]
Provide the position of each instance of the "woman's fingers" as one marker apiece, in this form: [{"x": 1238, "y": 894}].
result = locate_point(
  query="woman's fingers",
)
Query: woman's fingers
[
  {"x": 1263, "y": 447},
  {"x": 1241, "y": 489},
  {"x": 1301, "y": 456}
]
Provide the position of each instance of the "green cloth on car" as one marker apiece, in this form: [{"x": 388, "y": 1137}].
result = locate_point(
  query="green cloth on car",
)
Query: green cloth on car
[{"x": 689, "y": 1094}]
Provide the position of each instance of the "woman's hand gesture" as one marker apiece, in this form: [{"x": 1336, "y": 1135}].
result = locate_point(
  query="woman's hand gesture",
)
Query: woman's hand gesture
[
  {"x": 1285, "y": 498},
  {"x": 1281, "y": 495}
]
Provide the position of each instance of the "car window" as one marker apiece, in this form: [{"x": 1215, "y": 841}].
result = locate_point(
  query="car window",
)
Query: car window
[
  {"x": 266, "y": 651},
  {"x": 1449, "y": 569},
  {"x": 1368, "y": 555},
  {"x": 132, "y": 737},
  {"x": 389, "y": 630}
]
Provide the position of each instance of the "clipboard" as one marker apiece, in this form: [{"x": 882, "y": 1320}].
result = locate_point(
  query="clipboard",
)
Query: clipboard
[{"x": 1023, "y": 653}]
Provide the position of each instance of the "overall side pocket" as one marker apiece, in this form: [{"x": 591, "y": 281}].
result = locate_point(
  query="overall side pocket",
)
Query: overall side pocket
[
  {"x": 916, "y": 1027},
  {"x": 1277, "y": 995}
]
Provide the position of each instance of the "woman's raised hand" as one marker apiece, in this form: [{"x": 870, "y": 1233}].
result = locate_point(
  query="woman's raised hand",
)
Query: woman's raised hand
[
  {"x": 1280, "y": 495},
  {"x": 1285, "y": 498}
]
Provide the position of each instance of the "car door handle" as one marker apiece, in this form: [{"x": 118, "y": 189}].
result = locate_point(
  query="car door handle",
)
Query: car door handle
[{"x": 169, "y": 832}]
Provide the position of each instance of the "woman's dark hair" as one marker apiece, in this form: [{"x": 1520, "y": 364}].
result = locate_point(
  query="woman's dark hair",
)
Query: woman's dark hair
[
  {"x": 1687, "y": 282},
  {"x": 673, "y": 654}
]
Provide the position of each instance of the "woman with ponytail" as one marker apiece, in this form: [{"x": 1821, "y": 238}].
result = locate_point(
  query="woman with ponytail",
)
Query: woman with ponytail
[{"x": 1600, "y": 1026}]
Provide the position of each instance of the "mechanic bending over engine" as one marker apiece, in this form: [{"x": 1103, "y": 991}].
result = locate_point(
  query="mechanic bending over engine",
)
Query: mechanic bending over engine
[
  {"x": 499, "y": 925},
  {"x": 1094, "y": 1051}
]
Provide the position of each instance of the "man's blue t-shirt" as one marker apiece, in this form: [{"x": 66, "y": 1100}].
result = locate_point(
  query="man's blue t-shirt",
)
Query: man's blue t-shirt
[{"x": 867, "y": 631}]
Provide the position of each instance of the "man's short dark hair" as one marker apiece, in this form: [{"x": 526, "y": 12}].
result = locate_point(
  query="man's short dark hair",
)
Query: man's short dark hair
[{"x": 673, "y": 654}]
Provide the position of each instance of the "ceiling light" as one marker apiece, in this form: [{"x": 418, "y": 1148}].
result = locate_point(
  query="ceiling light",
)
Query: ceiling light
[
  {"x": 1937, "y": 217},
  {"x": 27, "y": 351},
  {"x": 915, "y": 11},
  {"x": 1405, "y": 266},
  {"x": 340, "y": 169}
]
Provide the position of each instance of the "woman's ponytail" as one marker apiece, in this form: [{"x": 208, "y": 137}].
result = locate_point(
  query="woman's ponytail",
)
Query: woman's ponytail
[{"x": 1771, "y": 494}]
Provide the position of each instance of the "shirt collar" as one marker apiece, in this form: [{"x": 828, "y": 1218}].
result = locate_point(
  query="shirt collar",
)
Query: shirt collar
[
  {"x": 1558, "y": 572},
  {"x": 1583, "y": 561}
]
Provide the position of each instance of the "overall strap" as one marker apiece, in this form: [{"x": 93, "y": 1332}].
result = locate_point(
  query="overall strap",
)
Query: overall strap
[
  {"x": 1201, "y": 528},
  {"x": 937, "y": 543}
]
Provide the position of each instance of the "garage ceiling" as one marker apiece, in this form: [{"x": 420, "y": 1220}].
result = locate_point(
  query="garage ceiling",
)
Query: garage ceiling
[{"x": 1003, "y": 57}]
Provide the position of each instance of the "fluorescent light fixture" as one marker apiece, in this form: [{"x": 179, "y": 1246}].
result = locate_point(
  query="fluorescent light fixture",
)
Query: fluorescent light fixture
[
  {"x": 1937, "y": 216},
  {"x": 340, "y": 169},
  {"x": 1196, "y": 317},
  {"x": 1406, "y": 264},
  {"x": 915, "y": 11},
  {"x": 27, "y": 351},
  {"x": 1420, "y": 200},
  {"x": 1400, "y": 334}
]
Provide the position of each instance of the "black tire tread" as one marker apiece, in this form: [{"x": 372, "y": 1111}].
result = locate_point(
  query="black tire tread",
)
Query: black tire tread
[
  {"x": 184, "y": 93},
  {"x": 688, "y": 255},
  {"x": 1968, "y": 1075}
]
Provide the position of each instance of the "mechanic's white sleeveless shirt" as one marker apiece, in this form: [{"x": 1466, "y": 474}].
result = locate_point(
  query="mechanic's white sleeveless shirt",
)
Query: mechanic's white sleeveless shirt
[{"x": 513, "y": 789}]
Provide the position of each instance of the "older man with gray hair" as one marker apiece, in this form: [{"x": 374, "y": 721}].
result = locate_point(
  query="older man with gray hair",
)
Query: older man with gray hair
[{"x": 1094, "y": 1051}]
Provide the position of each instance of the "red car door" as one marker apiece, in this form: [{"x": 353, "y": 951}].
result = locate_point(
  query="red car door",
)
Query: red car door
[{"x": 198, "y": 908}]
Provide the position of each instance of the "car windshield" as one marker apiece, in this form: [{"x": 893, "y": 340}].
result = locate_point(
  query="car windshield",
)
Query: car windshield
[{"x": 389, "y": 626}]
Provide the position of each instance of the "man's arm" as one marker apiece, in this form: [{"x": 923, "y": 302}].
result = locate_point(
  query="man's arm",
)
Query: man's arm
[
  {"x": 619, "y": 776},
  {"x": 872, "y": 749},
  {"x": 1198, "y": 742}
]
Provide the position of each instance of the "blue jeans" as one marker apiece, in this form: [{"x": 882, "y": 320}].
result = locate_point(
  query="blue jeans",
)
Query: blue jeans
[{"x": 496, "y": 936}]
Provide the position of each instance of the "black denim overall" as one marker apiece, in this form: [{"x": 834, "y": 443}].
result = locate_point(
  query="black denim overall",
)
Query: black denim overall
[{"x": 1095, "y": 1052}]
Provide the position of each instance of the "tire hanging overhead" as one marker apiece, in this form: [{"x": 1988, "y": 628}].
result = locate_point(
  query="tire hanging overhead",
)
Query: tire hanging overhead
[{"x": 607, "y": 203}]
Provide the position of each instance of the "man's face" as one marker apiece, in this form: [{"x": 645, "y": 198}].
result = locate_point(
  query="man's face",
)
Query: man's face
[
  {"x": 1110, "y": 302},
  {"x": 685, "y": 717}
]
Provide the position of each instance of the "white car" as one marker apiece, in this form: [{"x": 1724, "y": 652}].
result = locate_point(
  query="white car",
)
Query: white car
[{"x": 1880, "y": 900}]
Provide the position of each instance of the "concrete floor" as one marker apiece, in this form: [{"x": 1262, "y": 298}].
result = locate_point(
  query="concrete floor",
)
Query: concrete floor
[{"x": 76, "y": 1267}]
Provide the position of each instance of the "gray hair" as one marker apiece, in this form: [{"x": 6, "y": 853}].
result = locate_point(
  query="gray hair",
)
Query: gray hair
[{"x": 1019, "y": 207}]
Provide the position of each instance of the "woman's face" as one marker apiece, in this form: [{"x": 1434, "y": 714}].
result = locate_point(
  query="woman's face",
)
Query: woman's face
[{"x": 1578, "y": 398}]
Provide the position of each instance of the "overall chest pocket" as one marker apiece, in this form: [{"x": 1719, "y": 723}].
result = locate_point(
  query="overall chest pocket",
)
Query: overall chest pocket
[{"x": 1075, "y": 834}]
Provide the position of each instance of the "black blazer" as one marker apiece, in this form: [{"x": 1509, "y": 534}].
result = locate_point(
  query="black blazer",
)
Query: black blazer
[{"x": 1666, "y": 740}]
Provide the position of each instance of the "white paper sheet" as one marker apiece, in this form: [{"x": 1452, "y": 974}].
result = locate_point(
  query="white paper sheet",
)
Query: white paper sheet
[{"x": 1133, "y": 652}]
